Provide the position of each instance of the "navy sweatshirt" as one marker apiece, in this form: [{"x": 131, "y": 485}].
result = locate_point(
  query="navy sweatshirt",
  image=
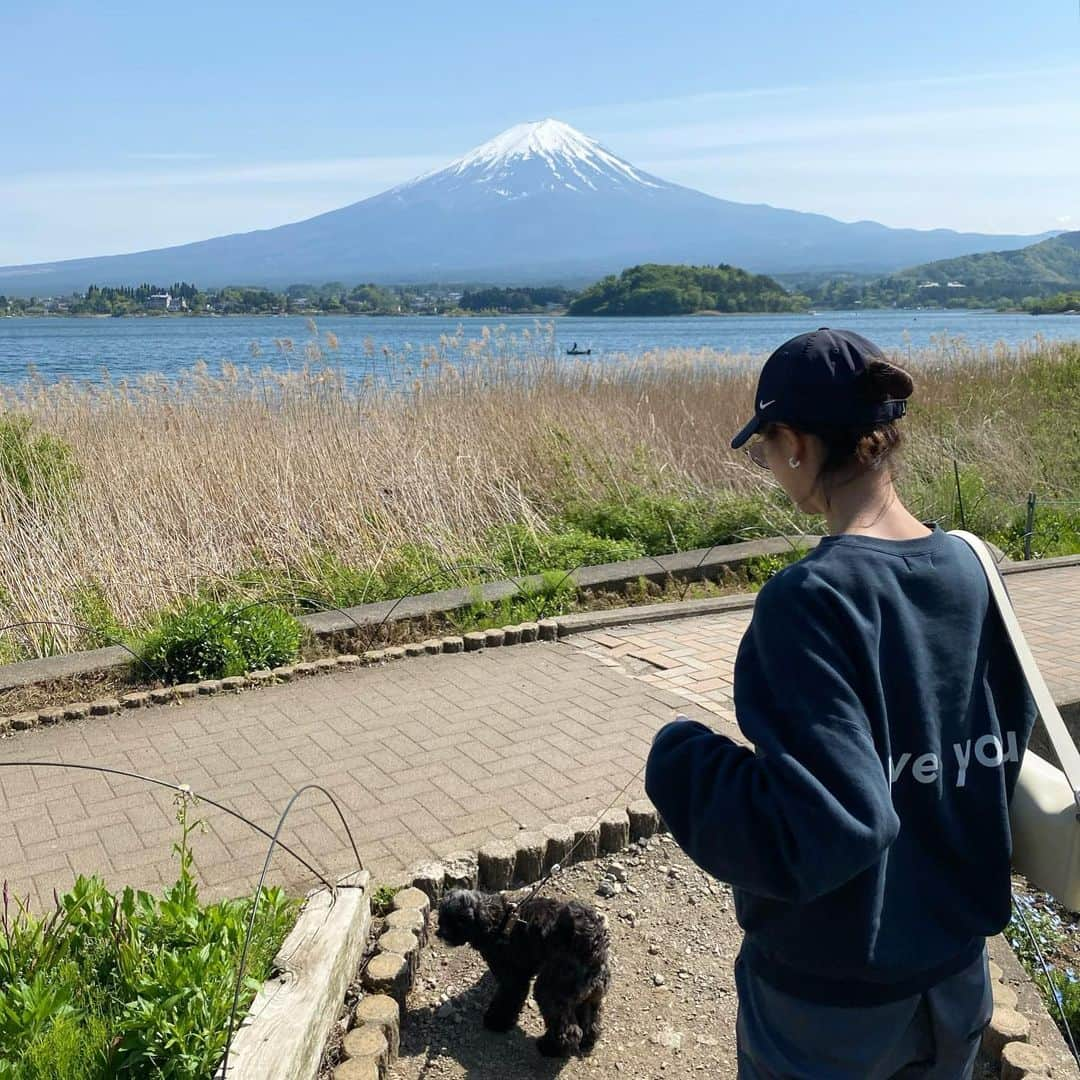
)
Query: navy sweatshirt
[{"x": 866, "y": 834}]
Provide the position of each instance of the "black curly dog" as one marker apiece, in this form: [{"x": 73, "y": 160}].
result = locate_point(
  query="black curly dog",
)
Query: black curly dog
[{"x": 564, "y": 944}]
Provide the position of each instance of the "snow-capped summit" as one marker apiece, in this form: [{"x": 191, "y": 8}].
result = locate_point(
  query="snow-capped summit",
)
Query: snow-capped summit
[{"x": 543, "y": 155}]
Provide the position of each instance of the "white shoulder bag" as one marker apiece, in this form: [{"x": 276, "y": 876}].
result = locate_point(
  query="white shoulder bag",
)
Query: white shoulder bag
[{"x": 1045, "y": 808}]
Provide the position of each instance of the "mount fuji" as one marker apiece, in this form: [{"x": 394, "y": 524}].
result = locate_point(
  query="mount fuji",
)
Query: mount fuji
[{"x": 541, "y": 202}]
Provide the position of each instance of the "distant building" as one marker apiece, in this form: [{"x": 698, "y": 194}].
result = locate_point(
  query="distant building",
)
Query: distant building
[
  {"x": 161, "y": 301},
  {"x": 955, "y": 285},
  {"x": 930, "y": 285}
]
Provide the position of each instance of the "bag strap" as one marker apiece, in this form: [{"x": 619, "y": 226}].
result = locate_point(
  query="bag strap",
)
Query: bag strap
[{"x": 1064, "y": 747}]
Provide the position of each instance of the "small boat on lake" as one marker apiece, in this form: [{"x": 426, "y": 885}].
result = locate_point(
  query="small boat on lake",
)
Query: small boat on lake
[{"x": 575, "y": 351}]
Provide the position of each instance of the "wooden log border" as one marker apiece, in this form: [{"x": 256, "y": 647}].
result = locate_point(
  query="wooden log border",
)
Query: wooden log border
[{"x": 286, "y": 1029}]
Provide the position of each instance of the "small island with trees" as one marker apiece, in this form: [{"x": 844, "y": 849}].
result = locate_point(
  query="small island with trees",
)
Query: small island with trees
[{"x": 660, "y": 289}]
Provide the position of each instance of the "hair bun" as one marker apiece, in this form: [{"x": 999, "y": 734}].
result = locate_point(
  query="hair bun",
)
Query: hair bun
[{"x": 892, "y": 382}]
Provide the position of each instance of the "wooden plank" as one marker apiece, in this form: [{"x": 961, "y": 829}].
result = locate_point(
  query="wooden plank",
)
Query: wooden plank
[{"x": 285, "y": 1032}]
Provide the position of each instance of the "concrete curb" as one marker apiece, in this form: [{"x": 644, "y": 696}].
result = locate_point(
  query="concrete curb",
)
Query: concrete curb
[
  {"x": 683, "y": 566},
  {"x": 1067, "y": 695}
]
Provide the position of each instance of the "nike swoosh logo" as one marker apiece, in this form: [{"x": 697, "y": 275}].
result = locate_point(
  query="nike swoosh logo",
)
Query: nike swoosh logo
[{"x": 763, "y": 405}]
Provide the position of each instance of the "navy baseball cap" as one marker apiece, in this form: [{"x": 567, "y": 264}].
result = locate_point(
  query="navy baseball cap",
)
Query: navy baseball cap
[{"x": 813, "y": 381}]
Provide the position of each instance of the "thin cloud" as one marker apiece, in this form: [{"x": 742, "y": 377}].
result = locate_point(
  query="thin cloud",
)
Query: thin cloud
[
  {"x": 798, "y": 89},
  {"x": 702, "y": 139},
  {"x": 170, "y": 155},
  {"x": 380, "y": 171}
]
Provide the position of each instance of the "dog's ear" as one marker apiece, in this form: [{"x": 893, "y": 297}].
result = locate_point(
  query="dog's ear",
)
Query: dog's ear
[{"x": 490, "y": 910}]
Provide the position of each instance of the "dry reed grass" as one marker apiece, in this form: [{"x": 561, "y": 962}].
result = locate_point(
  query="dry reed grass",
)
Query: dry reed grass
[{"x": 189, "y": 481}]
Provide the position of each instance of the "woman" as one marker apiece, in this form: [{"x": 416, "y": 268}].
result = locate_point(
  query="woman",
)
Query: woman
[{"x": 866, "y": 834}]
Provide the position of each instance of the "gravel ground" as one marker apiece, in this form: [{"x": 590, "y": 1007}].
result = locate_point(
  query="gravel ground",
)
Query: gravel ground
[{"x": 671, "y": 1008}]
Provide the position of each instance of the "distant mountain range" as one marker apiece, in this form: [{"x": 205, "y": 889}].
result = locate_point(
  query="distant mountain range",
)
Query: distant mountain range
[
  {"x": 1049, "y": 266},
  {"x": 539, "y": 203},
  {"x": 986, "y": 279}
]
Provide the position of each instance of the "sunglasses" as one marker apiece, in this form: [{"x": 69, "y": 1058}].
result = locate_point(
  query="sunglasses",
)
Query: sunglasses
[{"x": 756, "y": 452}]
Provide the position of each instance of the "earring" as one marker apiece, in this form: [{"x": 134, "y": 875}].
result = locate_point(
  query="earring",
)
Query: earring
[{"x": 794, "y": 462}]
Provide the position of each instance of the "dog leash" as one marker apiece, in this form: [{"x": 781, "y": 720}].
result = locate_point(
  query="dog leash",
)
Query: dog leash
[{"x": 512, "y": 906}]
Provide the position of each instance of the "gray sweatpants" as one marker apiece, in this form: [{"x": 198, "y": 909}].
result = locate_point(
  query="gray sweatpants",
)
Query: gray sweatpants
[{"x": 934, "y": 1035}]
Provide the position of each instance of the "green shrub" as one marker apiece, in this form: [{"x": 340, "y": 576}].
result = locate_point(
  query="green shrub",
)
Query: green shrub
[
  {"x": 760, "y": 568},
  {"x": 267, "y": 636},
  {"x": 204, "y": 640},
  {"x": 40, "y": 466},
  {"x": 193, "y": 644}
]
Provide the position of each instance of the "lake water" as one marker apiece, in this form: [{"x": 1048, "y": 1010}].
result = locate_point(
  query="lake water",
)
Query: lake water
[{"x": 78, "y": 349}]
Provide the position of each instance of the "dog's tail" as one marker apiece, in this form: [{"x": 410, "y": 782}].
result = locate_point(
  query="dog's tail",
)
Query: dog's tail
[{"x": 584, "y": 932}]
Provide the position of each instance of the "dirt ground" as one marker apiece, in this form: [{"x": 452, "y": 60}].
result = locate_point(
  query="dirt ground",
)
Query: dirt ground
[{"x": 671, "y": 1009}]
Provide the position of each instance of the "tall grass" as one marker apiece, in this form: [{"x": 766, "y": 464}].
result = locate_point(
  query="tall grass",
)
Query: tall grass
[{"x": 176, "y": 487}]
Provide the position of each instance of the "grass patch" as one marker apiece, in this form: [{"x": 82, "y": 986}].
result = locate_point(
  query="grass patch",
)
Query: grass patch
[
  {"x": 659, "y": 524},
  {"x": 129, "y": 984},
  {"x": 518, "y": 549}
]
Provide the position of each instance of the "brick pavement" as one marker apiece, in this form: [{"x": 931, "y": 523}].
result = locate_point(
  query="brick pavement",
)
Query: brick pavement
[
  {"x": 694, "y": 657},
  {"x": 425, "y": 756}
]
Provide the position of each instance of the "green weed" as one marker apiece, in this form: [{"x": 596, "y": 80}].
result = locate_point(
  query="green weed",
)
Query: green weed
[
  {"x": 382, "y": 900},
  {"x": 91, "y": 609},
  {"x": 1051, "y": 939},
  {"x": 1054, "y": 532},
  {"x": 128, "y": 984},
  {"x": 204, "y": 640}
]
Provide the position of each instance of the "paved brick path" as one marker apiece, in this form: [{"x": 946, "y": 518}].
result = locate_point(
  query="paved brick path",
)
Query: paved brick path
[
  {"x": 425, "y": 756},
  {"x": 694, "y": 657}
]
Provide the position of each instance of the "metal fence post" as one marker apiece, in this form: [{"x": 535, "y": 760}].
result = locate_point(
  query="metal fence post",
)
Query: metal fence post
[{"x": 1029, "y": 528}]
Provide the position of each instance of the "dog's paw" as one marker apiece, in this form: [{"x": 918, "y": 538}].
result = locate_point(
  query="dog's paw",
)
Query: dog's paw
[{"x": 552, "y": 1047}]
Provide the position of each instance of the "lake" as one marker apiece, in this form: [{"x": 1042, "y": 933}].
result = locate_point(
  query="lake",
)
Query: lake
[{"x": 80, "y": 349}]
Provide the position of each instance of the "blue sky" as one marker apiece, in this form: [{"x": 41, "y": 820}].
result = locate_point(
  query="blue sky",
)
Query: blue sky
[{"x": 129, "y": 126}]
